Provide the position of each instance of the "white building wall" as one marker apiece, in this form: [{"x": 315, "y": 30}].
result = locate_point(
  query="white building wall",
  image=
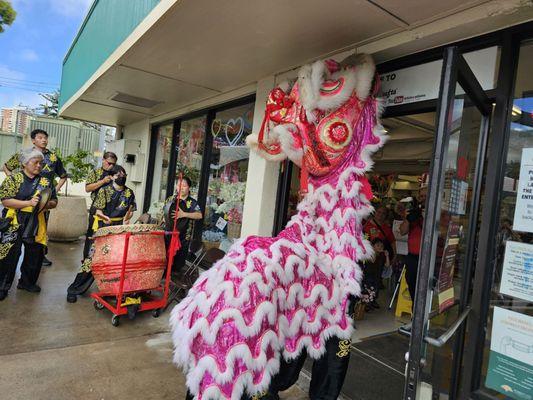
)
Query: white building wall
[
  {"x": 262, "y": 181},
  {"x": 138, "y": 136}
]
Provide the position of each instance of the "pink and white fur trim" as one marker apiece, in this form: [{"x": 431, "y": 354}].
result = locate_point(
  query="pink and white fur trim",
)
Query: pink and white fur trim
[{"x": 275, "y": 297}]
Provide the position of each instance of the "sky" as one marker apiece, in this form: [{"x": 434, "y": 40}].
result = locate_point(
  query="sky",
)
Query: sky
[{"x": 33, "y": 47}]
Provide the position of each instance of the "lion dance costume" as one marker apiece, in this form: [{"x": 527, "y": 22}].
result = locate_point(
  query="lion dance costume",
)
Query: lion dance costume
[{"x": 275, "y": 297}]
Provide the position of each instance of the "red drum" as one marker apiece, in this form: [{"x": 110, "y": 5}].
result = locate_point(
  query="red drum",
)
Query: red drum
[{"x": 145, "y": 263}]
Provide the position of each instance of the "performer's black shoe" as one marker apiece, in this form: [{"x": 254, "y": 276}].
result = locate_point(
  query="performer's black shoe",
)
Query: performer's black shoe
[
  {"x": 132, "y": 310},
  {"x": 29, "y": 288},
  {"x": 72, "y": 298},
  {"x": 3, "y": 294},
  {"x": 46, "y": 262}
]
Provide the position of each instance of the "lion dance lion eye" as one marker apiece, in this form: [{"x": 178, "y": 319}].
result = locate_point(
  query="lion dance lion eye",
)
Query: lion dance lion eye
[{"x": 336, "y": 134}]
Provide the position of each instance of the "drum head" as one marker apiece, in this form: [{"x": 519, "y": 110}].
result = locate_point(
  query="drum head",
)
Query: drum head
[
  {"x": 45, "y": 198},
  {"x": 133, "y": 228}
]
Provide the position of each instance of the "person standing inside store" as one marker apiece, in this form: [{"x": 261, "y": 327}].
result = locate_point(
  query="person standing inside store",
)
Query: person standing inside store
[
  {"x": 20, "y": 194},
  {"x": 114, "y": 205},
  {"x": 378, "y": 227},
  {"x": 52, "y": 166},
  {"x": 189, "y": 211},
  {"x": 97, "y": 179},
  {"x": 412, "y": 226}
]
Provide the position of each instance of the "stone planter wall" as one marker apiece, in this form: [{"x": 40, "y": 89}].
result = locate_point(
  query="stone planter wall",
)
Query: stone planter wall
[{"x": 68, "y": 221}]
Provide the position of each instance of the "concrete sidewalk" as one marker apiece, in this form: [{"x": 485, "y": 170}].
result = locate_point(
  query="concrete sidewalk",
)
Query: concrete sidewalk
[{"x": 53, "y": 350}]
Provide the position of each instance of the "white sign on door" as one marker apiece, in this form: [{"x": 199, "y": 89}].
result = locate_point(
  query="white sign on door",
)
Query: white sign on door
[
  {"x": 517, "y": 274},
  {"x": 523, "y": 213},
  {"x": 421, "y": 82}
]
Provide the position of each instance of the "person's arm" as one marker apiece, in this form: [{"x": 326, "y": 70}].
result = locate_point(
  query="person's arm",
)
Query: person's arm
[
  {"x": 128, "y": 215},
  {"x": 190, "y": 215},
  {"x": 12, "y": 164},
  {"x": 91, "y": 187},
  {"x": 387, "y": 259},
  {"x": 60, "y": 183},
  {"x": 404, "y": 227},
  {"x": 61, "y": 172},
  {"x": 18, "y": 204},
  {"x": 100, "y": 214}
]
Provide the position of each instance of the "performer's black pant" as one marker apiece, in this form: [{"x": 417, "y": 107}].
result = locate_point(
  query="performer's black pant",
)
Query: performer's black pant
[
  {"x": 327, "y": 375},
  {"x": 30, "y": 268},
  {"x": 88, "y": 236},
  {"x": 84, "y": 280},
  {"x": 181, "y": 255},
  {"x": 411, "y": 273}
]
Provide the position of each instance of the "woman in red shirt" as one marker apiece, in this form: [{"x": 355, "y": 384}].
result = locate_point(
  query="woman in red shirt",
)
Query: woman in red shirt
[{"x": 412, "y": 225}]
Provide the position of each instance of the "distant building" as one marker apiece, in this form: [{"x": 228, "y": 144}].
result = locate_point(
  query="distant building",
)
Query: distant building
[
  {"x": 15, "y": 120},
  {"x": 67, "y": 136}
]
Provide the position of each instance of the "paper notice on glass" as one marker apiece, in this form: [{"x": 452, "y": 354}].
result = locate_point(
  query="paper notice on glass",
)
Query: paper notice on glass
[
  {"x": 517, "y": 273},
  {"x": 221, "y": 223},
  {"x": 523, "y": 213},
  {"x": 510, "y": 369}
]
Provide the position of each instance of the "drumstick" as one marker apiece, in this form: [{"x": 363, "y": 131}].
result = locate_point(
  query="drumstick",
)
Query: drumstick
[{"x": 173, "y": 238}]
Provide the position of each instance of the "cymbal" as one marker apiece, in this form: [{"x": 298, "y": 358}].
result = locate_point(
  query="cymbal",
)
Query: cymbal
[{"x": 44, "y": 199}]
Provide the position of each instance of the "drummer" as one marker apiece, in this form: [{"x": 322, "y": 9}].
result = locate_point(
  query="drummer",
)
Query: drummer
[
  {"x": 114, "y": 205},
  {"x": 20, "y": 194},
  {"x": 189, "y": 211},
  {"x": 97, "y": 179}
]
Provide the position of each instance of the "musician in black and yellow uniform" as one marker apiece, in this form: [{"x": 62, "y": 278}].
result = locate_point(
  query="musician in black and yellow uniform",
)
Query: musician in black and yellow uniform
[
  {"x": 189, "y": 210},
  {"x": 114, "y": 205},
  {"x": 97, "y": 179},
  {"x": 52, "y": 166},
  {"x": 20, "y": 195}
]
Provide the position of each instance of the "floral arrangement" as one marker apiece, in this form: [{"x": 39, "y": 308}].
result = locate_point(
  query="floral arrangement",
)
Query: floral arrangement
[
  {"x": 156, "y": 209},
  {"x": 233, "y": 196},
  {"x": 235, "y": 215},
  {"x": 212, "y": 236},
  {"x": 368, "y": 294}
]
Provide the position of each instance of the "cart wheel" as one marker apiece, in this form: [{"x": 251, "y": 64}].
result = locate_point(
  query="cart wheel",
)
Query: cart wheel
[
  {"x": 115, "y": 320},
  {"x": 98, "y": 305},
  {"x": 156, "y": 313}
]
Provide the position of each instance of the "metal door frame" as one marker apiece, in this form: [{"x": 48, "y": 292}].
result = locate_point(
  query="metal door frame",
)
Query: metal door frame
[{"x": 454, "y": 70}]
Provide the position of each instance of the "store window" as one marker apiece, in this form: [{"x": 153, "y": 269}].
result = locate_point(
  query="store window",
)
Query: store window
[
  {"x": 190, "y": 150},
  {"x": 161, "y": 166},
  {"x": 508, "y": 354},
  {"x": 228, "y": 171}
]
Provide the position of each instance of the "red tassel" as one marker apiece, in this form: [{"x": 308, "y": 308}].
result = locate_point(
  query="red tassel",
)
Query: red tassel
[{"x": 304, "y": 178}]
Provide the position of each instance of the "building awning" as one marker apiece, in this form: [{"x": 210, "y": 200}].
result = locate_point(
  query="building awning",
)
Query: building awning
[{"x": 178, "y": 53}]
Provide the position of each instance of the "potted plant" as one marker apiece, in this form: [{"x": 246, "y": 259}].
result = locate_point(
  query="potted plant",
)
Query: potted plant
[{"x": 68, "y": 221}]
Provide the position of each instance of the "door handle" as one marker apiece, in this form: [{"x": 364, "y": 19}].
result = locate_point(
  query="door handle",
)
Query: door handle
[{"x": 442, "y": 339}]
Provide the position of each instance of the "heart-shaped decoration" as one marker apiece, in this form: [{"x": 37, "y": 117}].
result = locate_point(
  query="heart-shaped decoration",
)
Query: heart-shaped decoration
[
  {"x": 234, "y": 127},
  {"x": 216, "y": 127}
]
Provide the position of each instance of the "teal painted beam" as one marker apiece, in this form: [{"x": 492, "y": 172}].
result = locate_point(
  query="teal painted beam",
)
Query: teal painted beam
[{"x": 107, "y": 24}]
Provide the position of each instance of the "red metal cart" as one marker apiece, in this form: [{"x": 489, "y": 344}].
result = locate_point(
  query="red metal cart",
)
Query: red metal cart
[{"x": 154, "y": 299}]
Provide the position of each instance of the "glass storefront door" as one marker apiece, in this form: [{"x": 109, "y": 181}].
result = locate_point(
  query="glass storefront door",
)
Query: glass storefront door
[
  {"x": 501, "y": 360},
  {"x": 190, "y": 150},
  {"x": 228, "y": 171},
  {"x": 446, "y": 245},
  {"x": 163, "y": 144}
]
